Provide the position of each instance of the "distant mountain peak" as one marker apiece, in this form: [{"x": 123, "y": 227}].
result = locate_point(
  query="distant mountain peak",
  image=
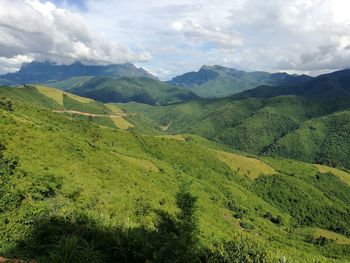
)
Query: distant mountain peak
[
  {"x": 40, "y": 72},
  {"x": 214, "y": 67}
]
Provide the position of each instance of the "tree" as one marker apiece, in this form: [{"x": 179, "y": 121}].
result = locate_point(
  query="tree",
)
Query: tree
[
  {"x": 187, "y": 220},
  {"x": 178, "y": 236}
]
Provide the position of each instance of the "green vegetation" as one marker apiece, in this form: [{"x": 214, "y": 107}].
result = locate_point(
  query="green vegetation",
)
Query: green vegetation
[
  {"x": 6, "y": 104},
  {"x": 73, "y": 190},
  {"x": 68, "y": 83},
  {"x": 292, "y": 127},
  {"x": 333, "y": 85},
  {"x": 143, "y": 90}
]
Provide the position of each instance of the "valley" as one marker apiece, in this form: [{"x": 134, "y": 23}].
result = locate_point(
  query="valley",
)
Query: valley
[{"x": 267, "y": 173}]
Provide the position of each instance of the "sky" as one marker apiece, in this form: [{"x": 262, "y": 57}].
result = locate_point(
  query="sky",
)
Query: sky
[{"x": 171, "y": 37}]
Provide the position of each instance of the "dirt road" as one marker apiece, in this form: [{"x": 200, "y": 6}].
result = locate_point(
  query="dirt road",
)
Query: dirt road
[{"x": 118, "y": 115}]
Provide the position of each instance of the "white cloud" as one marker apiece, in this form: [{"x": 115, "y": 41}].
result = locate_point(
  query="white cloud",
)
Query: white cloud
[
  {"x": 193, "y": 31},
  {"x": 297, "y": 35},
  {"x": 11, "y": 64},
  {"x": 41, "y": 31}
]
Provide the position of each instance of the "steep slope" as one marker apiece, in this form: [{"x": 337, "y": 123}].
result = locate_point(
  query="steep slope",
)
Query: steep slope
[
  {"x": 40, "y": 72},
  {"x": 71, "y": 105},
  {"x": 143, "y": 90},
  {"x": 68, "y": 83},
  {"x": 323, "y": 140},
  {"x": 104, "y": 190},
  {"x": 332, "y": 85},
  {"x": 260, "y": 126},
  {"x": 218, "y": 81}
]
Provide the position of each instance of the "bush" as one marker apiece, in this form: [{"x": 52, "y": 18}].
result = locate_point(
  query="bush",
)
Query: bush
[
  {"x": 238, "y": 210},
  {"x": 6, "y": 104},
  {"x": 276, "y": 220},
  {"x": 247, "y": 226},
  {"x": 320, "y": 241}
]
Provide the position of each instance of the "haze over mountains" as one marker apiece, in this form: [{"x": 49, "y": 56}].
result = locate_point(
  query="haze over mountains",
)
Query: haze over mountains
[
  {"x": 123, "y": 83},
  {"x": 218, "y": 81},
  {"x": 36, "y": 72}
]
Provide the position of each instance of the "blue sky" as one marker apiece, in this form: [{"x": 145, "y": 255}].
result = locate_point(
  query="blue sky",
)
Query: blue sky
[
  {"x": 170, "y": 37},
  {"x": 71, "y": 4}
]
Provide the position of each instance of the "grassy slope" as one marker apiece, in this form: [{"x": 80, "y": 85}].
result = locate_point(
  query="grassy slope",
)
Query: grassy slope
[
  {"x": 69, "y": 83},
  {"x": 105, "y": 171},
  {"x": 144, "y": 90},
  {"x": 322, "y": 140},
  {"x": 288, "y": 126},
  {"x": 59, "y": 100},
  {"x": 333, "y": 85}
]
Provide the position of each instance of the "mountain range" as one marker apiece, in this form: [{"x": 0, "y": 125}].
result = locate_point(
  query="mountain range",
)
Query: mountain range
[
  {"x": 331, "y": 85},
  {"x": 39, "y": 72},
  {"x": 208, "y": 82},
  {"x": 218, "y": 81}
]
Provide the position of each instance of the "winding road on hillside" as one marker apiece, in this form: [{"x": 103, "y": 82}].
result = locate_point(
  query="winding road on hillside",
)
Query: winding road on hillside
[{"x": 117, "y": 115}]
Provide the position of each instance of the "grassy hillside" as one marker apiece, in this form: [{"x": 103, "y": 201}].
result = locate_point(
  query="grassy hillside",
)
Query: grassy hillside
[
  {"x": 322, "y": 140},
  {"x": 143, "y": 90},
  {"x": 288, "y": 126},
  {"x": 106, "y": 195},
  {"x": 68, "y": 83},
  {"x": 71, "y": 105}
]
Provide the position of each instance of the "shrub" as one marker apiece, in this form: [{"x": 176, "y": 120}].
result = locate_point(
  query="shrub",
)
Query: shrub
[
  {"x": 276, "y": 220},
  {"x": 320, "y": 241},
  {"x": 247, "y": 226},
  {"x": 6, "y": 103},
  {"x": 238, "y": 210}
]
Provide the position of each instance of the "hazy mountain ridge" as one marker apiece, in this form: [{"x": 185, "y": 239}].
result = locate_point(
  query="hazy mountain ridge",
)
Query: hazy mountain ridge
[
  {"x": 218, "y": 81},
  {"x": 331, "y": 85},
  {"x": 39, "y": 72}
]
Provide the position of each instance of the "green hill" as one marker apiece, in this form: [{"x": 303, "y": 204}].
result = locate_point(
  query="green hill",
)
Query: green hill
[
  {"x": 218, "y": 81},
  {"x": 69, "y": 83},
  {"x": 74, "y": 190},
  {"x": 332, "y": 85},
  {"x": 273, "y": 126},
  {"x": 143, "y": 90},
  {"x": 322, "y": 140},
  {"x": 75, "y": 107}
]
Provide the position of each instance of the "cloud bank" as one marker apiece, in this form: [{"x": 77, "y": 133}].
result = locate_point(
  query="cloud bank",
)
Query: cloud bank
[
  {"x": 302, "y": 36},
  {"x": 34, "y": 30}
]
